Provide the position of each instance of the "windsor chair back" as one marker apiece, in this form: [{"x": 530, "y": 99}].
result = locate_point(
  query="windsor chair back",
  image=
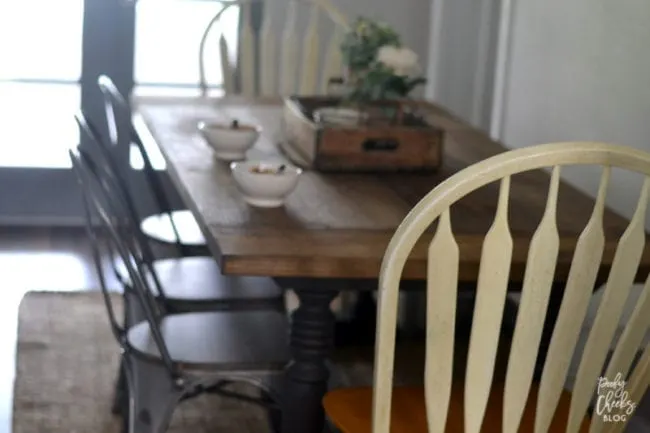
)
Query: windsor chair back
[
  {"x": 479, "y": 404},
  {"x": 283, "y": 57}
]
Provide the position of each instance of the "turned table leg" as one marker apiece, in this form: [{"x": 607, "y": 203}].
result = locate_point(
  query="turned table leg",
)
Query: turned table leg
[{"x": 306, "y": 376}]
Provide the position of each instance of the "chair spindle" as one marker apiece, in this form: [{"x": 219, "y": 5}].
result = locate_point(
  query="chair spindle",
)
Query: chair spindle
[
  {"x": 494, "y": 273},
  {"x": 442, "y": 287}
]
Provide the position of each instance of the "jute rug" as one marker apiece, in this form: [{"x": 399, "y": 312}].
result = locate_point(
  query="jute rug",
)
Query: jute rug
[
  {"x": 67, "y": 361},
  {"x": 66, "y": 366},
  {"x": 65, "y": 371}
]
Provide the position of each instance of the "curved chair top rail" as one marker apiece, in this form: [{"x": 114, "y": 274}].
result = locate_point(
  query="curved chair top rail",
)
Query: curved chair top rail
[
  {"x": 495, "y": 168},
  {"x": 495, "y": 263},
  {"x": 111, "y": 96},
  {"x": 114, "y": 98},
  {"x": 336, "y": 16}
]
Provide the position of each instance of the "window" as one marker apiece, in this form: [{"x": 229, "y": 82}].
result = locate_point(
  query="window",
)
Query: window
[
  {"x": 167, "y": 38},
  {"x": 39, "y": 76}
]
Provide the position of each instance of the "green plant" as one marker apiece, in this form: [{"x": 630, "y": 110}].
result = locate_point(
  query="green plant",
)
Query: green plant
[
  {"x": 379, "y": 67},
  {"x": 380, "y": 83},
  {"x": 360, "y": 45}
]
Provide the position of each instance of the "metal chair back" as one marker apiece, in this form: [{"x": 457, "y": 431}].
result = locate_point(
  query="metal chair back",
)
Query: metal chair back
[
  {"x": 103, "y": 227},
  {"x": 102, "y": 168},
  {"x": 115, "y": 104}
]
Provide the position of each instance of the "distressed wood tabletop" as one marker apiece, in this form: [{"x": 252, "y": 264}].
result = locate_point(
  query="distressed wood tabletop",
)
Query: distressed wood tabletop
[{"x": 338, "y": 225}]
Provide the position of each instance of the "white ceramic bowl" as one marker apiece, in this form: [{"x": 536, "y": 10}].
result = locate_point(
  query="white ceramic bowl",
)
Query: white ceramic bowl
[
  {"x": 228, "y": 142},
  {"x": 265, "y": 184}
]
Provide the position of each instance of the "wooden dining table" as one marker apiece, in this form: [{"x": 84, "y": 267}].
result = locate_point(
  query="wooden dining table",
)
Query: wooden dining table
[{"x": 333, "y": 229}]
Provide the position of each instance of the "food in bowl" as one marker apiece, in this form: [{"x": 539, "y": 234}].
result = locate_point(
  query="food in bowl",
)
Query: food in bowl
[
  {"x": 268, "y": 168},
  {"x": 229, "y": 141},
  {"x": 265, "y": 184}
]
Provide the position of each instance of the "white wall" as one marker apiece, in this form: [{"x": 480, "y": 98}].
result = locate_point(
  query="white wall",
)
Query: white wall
[
  {"x": 580, "y": 70},
  {"x": 462, "y": 57}
]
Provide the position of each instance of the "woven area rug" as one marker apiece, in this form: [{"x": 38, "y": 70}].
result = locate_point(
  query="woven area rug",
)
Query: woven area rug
[
  {"x": 67, "y": 363},
  {"x": 66, "y": 366}
]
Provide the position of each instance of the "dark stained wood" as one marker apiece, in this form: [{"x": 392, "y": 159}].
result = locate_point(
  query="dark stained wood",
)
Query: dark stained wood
[{"x": 338, "y": 225}]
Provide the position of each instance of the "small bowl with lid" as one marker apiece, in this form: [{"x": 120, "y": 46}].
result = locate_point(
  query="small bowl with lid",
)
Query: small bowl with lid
[
  {"x": 265, "y": 183},
  {"x": 229, "y": 141}
]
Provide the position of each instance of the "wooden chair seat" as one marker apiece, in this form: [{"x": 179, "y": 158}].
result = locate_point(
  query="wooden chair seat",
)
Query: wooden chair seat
[
  {"x": 229, "y": 341},
  {"x": 350, "y": 410},
  {"x": 159, "y": 228},
  {"x": 196, "y": 283}
]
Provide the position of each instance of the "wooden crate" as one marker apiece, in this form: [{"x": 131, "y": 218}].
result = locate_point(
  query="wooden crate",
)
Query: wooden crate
[{"x": 402, "y": 142}]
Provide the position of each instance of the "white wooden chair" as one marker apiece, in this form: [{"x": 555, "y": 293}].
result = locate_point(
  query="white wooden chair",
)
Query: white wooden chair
[
  {"x": 273, "y": 63},
  {"x": 519, "y": 404}
]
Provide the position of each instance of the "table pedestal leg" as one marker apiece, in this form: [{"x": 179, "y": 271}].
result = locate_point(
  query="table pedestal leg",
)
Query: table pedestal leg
[{"x": 312, "y": 335}]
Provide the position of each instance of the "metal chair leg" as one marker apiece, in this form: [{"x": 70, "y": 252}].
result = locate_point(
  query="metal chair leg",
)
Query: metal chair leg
[
  {"x": 120, "y": 394},
  {"x": 126, "y": 400},
  {"x": 152, "y": 399},
  {"x": 131, "y": 315},
  {"x": 274, "y": 415}
]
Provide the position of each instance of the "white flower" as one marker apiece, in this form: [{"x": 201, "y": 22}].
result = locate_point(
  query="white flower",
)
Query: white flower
[{"x": 403, "y": 61}]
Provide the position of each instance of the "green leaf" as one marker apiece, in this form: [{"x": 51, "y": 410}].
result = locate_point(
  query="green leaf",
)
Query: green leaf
[
  {"x": 360, "y": 45},
  {"x": 373, "y": 80}
]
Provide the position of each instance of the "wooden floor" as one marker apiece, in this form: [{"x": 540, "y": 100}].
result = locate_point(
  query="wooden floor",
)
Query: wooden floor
[{"x": 42, "y": 260}]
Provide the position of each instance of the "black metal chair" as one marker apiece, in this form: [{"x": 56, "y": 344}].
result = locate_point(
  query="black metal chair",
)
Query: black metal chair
[
  {"x": 170, "y": 357},
  {"x": 170, "y": 226},
  {"x": 185, "y": 284},
  {"x": 190, "y": 283}
]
